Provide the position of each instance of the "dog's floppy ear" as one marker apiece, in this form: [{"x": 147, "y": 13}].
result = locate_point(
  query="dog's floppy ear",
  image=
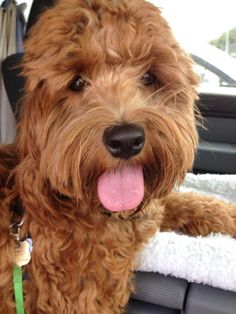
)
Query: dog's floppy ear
[
  {"x": 50, "y": 42},
  {"x": 37, "y": 51}
]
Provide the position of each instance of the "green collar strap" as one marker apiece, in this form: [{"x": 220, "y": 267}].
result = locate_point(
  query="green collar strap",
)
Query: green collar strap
[{"x": 18, "y": 289}]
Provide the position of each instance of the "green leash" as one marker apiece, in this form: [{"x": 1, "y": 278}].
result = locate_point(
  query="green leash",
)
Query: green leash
[{"x": 18, "y": 289}]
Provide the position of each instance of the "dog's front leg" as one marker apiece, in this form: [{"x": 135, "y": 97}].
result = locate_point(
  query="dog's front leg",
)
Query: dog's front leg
[
  {"x": 71, "y": 273},
  {"x": 195, "y": 214},
  {"x": 53, "y": 285}
]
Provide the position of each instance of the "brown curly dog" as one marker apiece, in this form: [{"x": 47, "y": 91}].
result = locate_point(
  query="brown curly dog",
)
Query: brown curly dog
[{"x": 107, "y": 130}]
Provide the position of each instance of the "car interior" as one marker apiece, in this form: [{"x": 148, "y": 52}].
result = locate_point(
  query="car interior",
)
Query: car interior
[{"x": 156, "y": 293}]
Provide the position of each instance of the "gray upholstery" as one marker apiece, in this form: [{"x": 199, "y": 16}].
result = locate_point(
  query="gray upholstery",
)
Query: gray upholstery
[
  {"x": 207, "y": 300},
  {"x": 160, "y": 294},
  {"x": 138, "y": 307},
  {"x": 158, "y": 289},
  {"x": 216, "y": 157}
]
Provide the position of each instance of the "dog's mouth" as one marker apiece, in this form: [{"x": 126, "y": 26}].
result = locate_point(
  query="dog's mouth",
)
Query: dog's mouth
[{"x": 121, "y": 189}]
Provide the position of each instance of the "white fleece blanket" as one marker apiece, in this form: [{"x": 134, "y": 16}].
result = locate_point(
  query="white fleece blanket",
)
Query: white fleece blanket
[{"x": 210, "y": 260}]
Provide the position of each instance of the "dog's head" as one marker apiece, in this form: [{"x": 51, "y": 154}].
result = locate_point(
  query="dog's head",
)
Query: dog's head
[{"x": 108, "y": 115}]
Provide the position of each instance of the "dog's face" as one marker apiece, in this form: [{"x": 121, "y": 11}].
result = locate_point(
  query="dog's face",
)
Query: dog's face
[{"x": 108, "y": 115}]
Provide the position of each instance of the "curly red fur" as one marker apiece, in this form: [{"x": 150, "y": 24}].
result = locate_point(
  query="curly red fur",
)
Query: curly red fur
[{"x": 82, "y": 260}]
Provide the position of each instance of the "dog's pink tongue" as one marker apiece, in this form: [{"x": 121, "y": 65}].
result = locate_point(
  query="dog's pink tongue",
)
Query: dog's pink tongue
[{"x": 122, "y": 189}]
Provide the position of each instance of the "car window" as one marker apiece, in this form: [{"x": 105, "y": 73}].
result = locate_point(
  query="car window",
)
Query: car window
[{"x": 208, "y": 32}]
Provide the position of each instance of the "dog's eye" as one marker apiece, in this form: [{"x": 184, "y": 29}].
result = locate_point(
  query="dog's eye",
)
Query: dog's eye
[
  {"x": 78, "y": 84},
  {"x": 148, "y": 79}
]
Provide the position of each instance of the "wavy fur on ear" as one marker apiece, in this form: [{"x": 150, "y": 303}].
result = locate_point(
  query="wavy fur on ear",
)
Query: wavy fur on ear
[
  {"x": 83, "y": 256},
  {"x": 9, "y": 161}
]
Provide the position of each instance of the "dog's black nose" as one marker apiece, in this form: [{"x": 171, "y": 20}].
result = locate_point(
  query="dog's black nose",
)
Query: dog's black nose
[{"x": 124, "y": 141}]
